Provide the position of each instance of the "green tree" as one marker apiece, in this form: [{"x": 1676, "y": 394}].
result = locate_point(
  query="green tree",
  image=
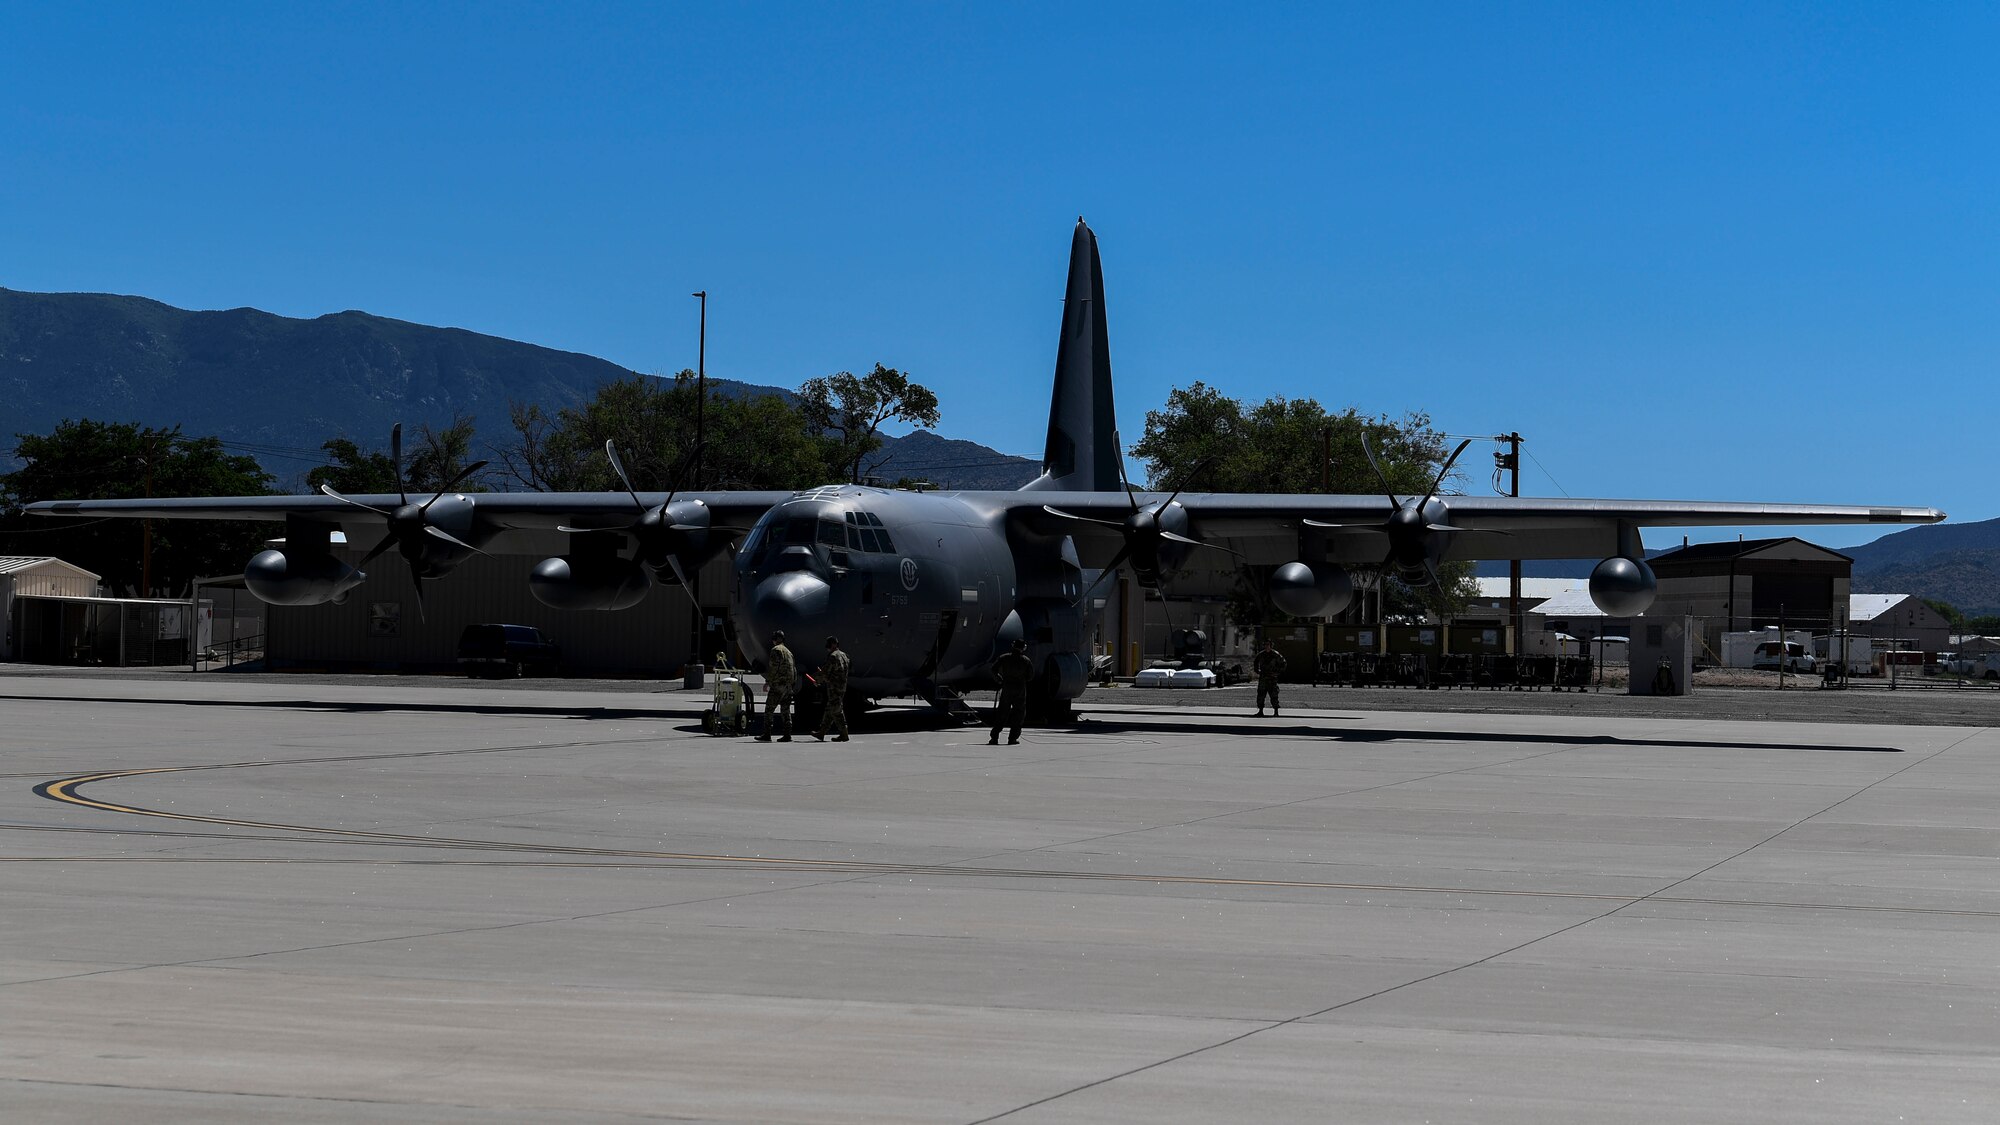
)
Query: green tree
[
  {"x": 753, "y": 443},
  {"x": 431, "y": 458},
  {"x": 763, "y": 442},
  {"x": 86, "y": 459},
  {"x": 1207, "y": 441},
  {"x": 438, "y": 455},
  {"x": 353, "y": 471},
  {"x": 850, "y": 409}
]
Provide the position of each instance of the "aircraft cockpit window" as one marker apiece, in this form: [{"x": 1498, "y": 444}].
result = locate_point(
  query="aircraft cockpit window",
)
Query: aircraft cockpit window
[
  {"x": 874, "y": 534},
  {"x": 832, "y": 534},
  {"x": 866, "y": 533}
]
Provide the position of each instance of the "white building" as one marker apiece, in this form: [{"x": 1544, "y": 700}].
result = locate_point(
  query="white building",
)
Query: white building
[
  {"x": 1901, "y": 621},
  {"x": 36, "y": 577}
]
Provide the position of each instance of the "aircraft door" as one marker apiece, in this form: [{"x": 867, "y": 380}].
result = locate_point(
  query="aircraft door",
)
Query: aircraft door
[
  {"x": 940, "y": 644},
  {"x": 715, "y": 635}
]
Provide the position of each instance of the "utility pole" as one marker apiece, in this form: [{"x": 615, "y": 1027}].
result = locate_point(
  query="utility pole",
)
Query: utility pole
[
  {"x": 1326, "y": 458},
  {"x": 1784, "y": 649},
  {"x": 701, "y": 395},
  {"x": 146, "y": 528},
  {"x": 1511, "y": 461},
  {"x": 700, "y": 623}
]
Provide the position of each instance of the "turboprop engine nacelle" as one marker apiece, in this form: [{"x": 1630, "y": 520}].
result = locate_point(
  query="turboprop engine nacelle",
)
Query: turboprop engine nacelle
[
  {"x": 568, "y": 582},
  {"x": 300, "y": 578},
  {"x": 1305, "y": 591},
  {"x": 1623, "y": 587}
]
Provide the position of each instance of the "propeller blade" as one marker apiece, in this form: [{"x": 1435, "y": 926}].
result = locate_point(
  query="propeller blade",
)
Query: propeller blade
[
  {"x": 1118, "y": 440},
  {"x": 1054, "y": 511},
  {"x": 387, "y": 542},
  {"x": 1117, "y": 559},
  {"x": 1442, "y": 528},
  {"x": 1446, "y": 471},
  {"x": 618, "y": 466},
  {"x": 1199, "y": 468},
  {"x": 454, "y": 540},
  {"x": 396, "y": 458},
  {"x": 687, "y": 465},
  {"x": 1369, "y": 448},
  {"x": 1431, "y": 575},
  {"x": 417, "y": 580},
  {"x": 674, "y": 561},
  {"x": 588, "y": 530},
  {"x": 1178, "y": 538},
  {"x": 328, "y": 489},
  {"x": 453, "y": 483},
  {"x": 1192, "y": 542},
  {"x": 1322, "y": 523}
]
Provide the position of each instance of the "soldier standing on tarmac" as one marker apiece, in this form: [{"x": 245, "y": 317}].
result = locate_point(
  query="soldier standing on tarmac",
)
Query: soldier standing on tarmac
[
  {"x": 1267, "y": 665},
  {"x": 1014, "y": 669},
  {"x": 781, "y": 677},
  {"x": 833, "y": 676}
]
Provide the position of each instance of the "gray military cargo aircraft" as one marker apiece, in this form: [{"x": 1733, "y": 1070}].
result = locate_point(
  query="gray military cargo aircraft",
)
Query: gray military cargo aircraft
[{"x": 925, "y": 589}]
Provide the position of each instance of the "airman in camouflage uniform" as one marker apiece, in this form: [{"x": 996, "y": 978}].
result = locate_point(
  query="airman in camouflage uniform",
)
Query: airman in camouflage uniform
[
  {"x": 833, "y": 677},
  {"x": 1014, "y": 669},
  {"x": 781, "y": 677},
  {"x": 1268, "y": 664}
]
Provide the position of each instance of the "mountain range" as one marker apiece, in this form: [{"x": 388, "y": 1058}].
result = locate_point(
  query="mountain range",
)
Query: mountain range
[{"x": 276, "y": 387}]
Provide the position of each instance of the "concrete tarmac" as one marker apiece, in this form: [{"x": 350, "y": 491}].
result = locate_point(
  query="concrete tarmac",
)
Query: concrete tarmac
[{"x": 390, "y": 900}]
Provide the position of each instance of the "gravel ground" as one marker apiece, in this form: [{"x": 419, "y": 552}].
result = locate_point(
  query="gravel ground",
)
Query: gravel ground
[{"x": 1717, "y": 694}]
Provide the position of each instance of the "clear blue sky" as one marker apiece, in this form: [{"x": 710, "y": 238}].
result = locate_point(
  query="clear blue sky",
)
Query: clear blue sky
[{"x": 1702, "y": 252}]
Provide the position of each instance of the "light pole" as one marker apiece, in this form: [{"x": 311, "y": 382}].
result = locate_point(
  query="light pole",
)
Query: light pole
[
  {"x": 701, "y": 394},
  {"x": 1510, "y": 461}
]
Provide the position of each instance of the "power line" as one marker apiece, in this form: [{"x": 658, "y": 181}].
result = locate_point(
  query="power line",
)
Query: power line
[
  {"x": 1550, "y": 475},
  {"x": 61, "y": 525}
]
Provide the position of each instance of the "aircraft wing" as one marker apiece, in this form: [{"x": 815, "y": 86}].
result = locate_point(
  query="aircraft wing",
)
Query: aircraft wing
[
  {"x": 507, "y": 510},
  {"x": 1265, "y": 528}
]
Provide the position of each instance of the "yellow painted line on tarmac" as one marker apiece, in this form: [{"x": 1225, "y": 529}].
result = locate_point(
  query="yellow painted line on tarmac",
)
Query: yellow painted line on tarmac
[{"x": 66, "y": 791}]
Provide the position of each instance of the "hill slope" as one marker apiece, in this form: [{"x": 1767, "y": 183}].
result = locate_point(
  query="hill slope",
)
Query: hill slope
[
  {"x": 1925, "y": 542},
  {"x": 949, "y": 463},
  {"x": 284, "y": 385},
  {"x": 251, "y": 376},
  {"x": 1968, "y": 578}
]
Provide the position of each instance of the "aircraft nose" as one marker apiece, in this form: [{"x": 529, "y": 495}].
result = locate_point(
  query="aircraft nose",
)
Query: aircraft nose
[{"x": 793, "y": 601}]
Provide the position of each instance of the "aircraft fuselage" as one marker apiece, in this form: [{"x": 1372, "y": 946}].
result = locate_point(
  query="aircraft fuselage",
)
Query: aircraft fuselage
[{"x": 923, "y": 589}]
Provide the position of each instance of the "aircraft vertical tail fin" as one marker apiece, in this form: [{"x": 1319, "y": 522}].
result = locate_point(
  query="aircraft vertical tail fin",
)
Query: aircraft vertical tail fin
[{"x": 1082, "y": 452}]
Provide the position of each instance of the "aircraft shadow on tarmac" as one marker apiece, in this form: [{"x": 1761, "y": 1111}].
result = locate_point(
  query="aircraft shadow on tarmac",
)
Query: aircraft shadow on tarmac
[
  {"x": 911, "y": 720},
  {"x": 1248, "y": 727},
  {"x": 887, "y": 721},
  {"x": 358, "y": 707}
]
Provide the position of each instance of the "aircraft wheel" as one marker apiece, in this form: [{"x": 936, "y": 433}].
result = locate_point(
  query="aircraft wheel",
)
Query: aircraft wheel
[{"x": 1050, "y": 712}]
